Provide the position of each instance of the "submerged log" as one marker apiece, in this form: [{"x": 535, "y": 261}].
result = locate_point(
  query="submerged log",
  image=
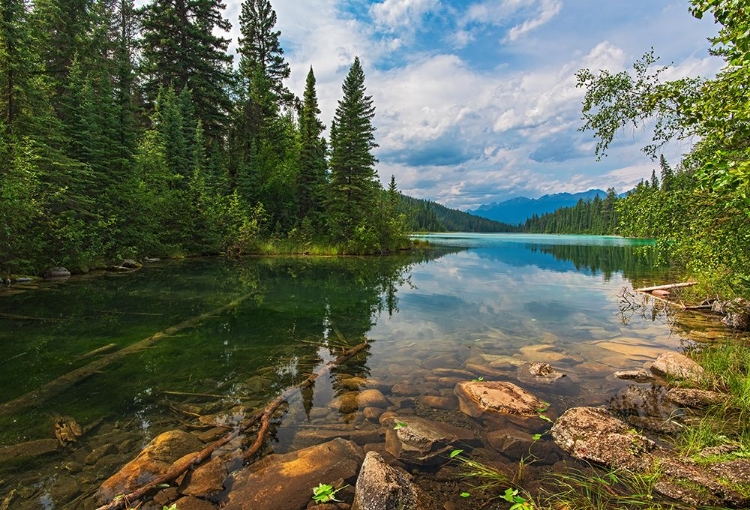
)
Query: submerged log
[
  {"x": 65, "y": 381},
  {"x": 263, "y": 418}
]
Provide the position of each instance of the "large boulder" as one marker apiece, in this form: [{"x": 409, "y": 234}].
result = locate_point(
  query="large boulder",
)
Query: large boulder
[
  {"x": 420, "y": 441},
  {"x": 383, "y": 487},
  {"x": 285, "y": 481},
  {"x": 595, "y": 435},
  {"x": 478, "y": 397},
  {"x": 677, "y": 366},
  {"x": 153, "y": 461}
]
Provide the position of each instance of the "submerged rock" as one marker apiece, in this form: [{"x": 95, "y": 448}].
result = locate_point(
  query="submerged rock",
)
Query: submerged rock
[
  {"x": 640, "y": 376},
  {"x": 35, "y": 448},
  {"x": 285, "y": 482},
  {"x": 420, "y": 441},
  {"x": 383, "y": 487},
  {"x": 206, "y": 480},
  {"x": 153, "y": 461},
  {"x": 538, "y": 373},
  {"x": 478, "y": 397}
]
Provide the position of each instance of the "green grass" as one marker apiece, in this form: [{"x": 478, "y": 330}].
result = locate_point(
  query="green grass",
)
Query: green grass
[
  {"x": 727, "y": 369},
  {"x": 599, "y": 489}
]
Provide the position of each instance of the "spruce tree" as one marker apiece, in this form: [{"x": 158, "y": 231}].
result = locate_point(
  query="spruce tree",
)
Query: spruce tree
[
  {"x": 312, "y": 162},
  {"x": 259, "y": 48},
  {"x": 354, "y": 185},
  {"x": 180, "y": 50}
]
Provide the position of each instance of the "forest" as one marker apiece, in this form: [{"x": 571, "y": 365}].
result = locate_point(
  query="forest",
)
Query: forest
[{"x": 128, "y": 132}]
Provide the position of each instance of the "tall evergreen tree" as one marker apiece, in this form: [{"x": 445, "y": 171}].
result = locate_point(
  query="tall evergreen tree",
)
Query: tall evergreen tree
[
  {"x": 180, "y": 50},
  {"x": 312, "y": 154},
  {"x": 354, "y": 185},
  {"x": 259, "y": 48}
]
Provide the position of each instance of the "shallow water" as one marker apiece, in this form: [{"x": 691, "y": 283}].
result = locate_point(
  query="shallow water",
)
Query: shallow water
[{"x": 481, "y": 304}]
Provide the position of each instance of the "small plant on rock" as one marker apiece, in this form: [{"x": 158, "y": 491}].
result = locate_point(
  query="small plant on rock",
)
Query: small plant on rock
[{"x": 324, "y": 493}]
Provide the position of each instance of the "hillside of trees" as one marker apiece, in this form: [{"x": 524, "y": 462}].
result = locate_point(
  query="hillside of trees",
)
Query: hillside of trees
[
  {"x": 129, "y": 131},
  {"x": 427, "y": 216},
  {"x": 594, "y": 216}
]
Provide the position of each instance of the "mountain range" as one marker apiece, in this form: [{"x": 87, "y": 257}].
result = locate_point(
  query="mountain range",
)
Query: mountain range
[{"x": 517, "y": 210}]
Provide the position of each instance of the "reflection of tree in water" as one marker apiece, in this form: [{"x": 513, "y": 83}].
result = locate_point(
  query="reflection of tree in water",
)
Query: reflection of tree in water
[
  {"x": 635, "y": 262},
  {"x": 313, "y": 309}
]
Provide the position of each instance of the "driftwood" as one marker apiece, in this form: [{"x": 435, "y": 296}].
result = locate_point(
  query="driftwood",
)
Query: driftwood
[
  {"x": 65, "y": 381},
  {"x": 666, "y": 287},
  {"x": 650, "y": 290},
  {"x": 263, "y": 417}
]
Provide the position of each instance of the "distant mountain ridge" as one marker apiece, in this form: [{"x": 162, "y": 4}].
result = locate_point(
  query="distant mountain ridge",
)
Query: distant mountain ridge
[{"x": 517, "y": 210}]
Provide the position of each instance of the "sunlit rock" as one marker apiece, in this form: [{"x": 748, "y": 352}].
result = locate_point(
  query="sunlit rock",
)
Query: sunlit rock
[
  {"x": 593, "y": 434},
  {"x": 284, "y": 482},
  {"x": 478, "y": 397},
  {"x": 383, "y": 487},
  {"x": 153, "y": 461},
  {"x": 677, "y": 366}
]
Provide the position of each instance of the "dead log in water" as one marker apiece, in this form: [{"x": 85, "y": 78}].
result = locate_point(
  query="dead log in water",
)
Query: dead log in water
[
  {"x": 263, "y": 418},
  {"x": 65, "y": 381},
  {"x": 666, "y": 287}
]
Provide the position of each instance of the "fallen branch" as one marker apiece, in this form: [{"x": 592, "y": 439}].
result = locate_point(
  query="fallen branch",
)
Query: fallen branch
[
  {"x": 673, "y": 303},
  {"x": 65, "y": 381},
  {"x": 264, "y": 417},
  {"x": 666, "y": 287}
]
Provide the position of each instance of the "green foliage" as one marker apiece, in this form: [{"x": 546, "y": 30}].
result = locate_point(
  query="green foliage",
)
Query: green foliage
[
  {"x": 102, "y": 159},
  {"x": 699, "y": 212},
  {"x": 324, "y": 493},
  {"x": 517, "y": 501}
]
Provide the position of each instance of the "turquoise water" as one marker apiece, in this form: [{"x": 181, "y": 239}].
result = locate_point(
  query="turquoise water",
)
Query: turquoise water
[{"x": 474, "y": 303}]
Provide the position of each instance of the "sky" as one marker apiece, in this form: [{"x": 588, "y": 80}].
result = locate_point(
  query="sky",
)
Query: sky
[{"x": 476, "y": 99}]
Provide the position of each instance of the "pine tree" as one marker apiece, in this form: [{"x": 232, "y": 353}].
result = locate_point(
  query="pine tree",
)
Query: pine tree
[
  {"x": 354, "y": 185},
  {"x": 312, "y": 162},
  {"x": 259, "y": 48},
  {"x": 180, "y": 50}
]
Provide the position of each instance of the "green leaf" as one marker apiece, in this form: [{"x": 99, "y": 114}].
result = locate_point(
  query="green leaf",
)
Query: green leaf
[
  {"x": 455, "y": 453},
  {"x": 465, "y": 494},
  {"x": 399, "y": 425}
]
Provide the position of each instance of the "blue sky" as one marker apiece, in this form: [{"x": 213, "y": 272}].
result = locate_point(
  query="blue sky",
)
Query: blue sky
[{"x": 476, "y": 100}]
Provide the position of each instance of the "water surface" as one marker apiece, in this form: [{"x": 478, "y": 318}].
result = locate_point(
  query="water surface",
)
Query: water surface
[{"x": 482, "y": 304}]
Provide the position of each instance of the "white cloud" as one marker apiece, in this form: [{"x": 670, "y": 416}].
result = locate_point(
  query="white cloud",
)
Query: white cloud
[
  {"x": 548, "y": 9},
  {"x": 399, "y": 14}
]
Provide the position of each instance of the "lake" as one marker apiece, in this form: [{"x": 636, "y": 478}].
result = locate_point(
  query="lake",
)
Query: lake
[{"x": 119, "y": 358}]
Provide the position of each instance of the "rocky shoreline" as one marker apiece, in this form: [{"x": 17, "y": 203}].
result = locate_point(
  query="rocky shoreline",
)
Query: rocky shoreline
[{"x": 377, "y": 465}]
